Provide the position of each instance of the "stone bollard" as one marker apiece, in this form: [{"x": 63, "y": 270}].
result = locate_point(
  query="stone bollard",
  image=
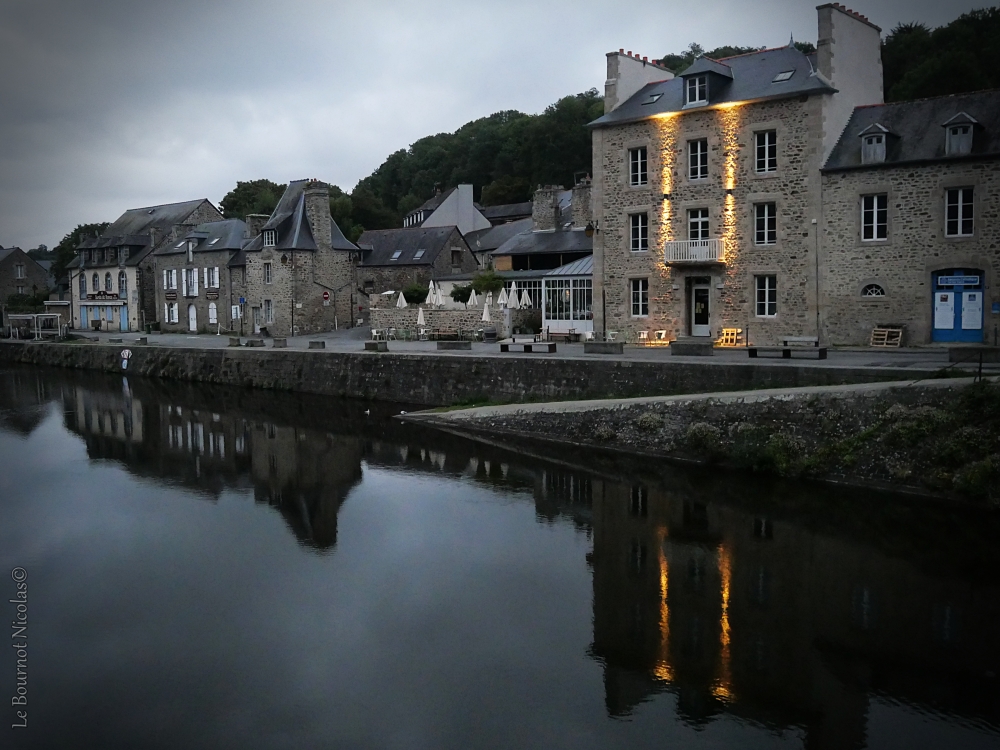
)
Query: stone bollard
[
  {"x": 116, "y": 341},
  {"x": 280, "y": 343},
  {"x": 255, "y": 342},
  {"x": 317, "y": 345},
  {"x": 142, "y": 340},
  {"x": 234, "y": 341}
]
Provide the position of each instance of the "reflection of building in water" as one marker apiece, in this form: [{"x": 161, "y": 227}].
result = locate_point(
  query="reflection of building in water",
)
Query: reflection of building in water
[
  {"x": 776, "y": 623},
  {"x": 23, "y": 400}
]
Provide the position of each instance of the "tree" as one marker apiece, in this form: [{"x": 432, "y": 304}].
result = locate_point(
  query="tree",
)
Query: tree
[
  {"x": 678, "y": 63},
  {"x": 415, "y": 293},
  {"x": 487, "y": 281},
  {"x": 66, "y": 249},
  {"x": 461, "y": 293},
  {"x": 254, "y": 197}
]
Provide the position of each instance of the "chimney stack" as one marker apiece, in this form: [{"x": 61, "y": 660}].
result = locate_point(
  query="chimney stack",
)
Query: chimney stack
[{"x": 317, "y": 199}]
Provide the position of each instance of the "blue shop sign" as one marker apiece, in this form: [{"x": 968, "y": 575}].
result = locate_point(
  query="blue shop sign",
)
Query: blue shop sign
[{"x": 958, "y": 281}]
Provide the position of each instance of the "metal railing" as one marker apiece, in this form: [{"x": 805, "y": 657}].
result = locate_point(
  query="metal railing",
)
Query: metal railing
[{"x": 694, "y": 251}]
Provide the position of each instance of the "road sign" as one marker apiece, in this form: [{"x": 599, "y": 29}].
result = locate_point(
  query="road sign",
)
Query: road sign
[
  {"x": 243, "y": 300},
  {"x": 326, "y": 296}
]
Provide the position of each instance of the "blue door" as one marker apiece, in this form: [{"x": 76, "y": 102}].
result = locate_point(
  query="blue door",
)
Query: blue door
[
  {"x": 123, "y": 312},
  {"x": 83, "y": 318},
  {"x": 957, "y": 311}
]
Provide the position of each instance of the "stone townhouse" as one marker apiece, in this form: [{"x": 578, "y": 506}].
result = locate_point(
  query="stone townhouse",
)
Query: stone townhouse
[
  {"x": 393, "y": 259},
  {"x": 112, "y": 278},
  {"x": 20, "y": 274},
  {"x": 194, "y": 290},
  {"x": 296, "y": 275},
  {"x": 707, "y": 190},
  {"x": 910, "y": 222}
]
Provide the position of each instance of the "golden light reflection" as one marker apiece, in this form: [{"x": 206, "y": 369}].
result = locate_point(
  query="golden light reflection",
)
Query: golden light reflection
[
  {"x": 722, "y": 687},
  {"x": 663, "y": 670},
  {"x": 729, "y": 117}
]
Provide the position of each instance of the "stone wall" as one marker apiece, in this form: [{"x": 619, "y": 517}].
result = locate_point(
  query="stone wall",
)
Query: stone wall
[
  {"x": 466, "y": 320},
  {"x": 34, "y": 279},
  {"x": 440, "y": 380},
  {"x": 916, "y": 246}
]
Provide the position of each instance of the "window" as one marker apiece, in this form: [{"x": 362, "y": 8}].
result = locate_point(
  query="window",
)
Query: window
[
  {"x": 640, "y": 298},
  {"x": 122, "y": 285},
  {"x": 212, "y": 277},
  {"x": 107, "y": 281},
  {"x": 456, "y": 257},
  {"x": 765, "y": 217},
  {"x": 698, "y": 224},
  {"x": 873, "y": 149},
  {"x": 783, "y": 76},
  {"x": 639, "y": 502},
  {"x": 640, "y": 232},
  {"x": 637, "y": 173},
  {"x": 19, "y": 271},
  {"x": 958, "y": 212},
  {"x": 874, "y": 217},
  {"x": 558, "y": 299},
  {"x": 697, "y": 90},
  {"x": 270, "y": 238},
  {"x": 698, "y": 159},
  {"x": 653, "y": 98},
  {"x": 267, "y": 273},
  {"x": 112, "y": 255},
  {"x": 766, "y": 144},
  {"x": 395, "y": 255},
  {"x": 534, "y": 290},
  {"x": 583, "y": 299},
  {"x": 83, "y": 285},
  {"x": 170, "y": 312},
  {"x": 419, "y": 254},
  {"x": 872, "y": 290},
  {"x": 958, "y": 140},
  {"x": 767, "y": 296},
  {"x": 268, "y": 311},
  {"x": 95, "y": 283},
  {"x": 190, "y": 280},
  {"x": 213, "y": 313},
  {"x": 20, "y": 289}
]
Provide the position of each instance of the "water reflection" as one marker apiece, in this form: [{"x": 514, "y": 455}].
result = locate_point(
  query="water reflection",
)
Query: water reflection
[{"x": 788, "y": 608}]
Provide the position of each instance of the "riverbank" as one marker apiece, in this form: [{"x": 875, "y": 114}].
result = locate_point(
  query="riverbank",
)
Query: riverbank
[
  {"x": 444, "y": 379},
  {"x": 938, "y": 438}
]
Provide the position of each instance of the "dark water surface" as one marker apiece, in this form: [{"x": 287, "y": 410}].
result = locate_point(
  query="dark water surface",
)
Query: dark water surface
[{"x": 215, "y": 568}]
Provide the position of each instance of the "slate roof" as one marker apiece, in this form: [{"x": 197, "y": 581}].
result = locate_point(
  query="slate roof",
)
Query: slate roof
[
  {"x": 487, "y": 240},
  {"x": 571, "y": 241},
  {"x": 211, "y": 237},
  {"x": 5, "y": 251},
  {"x": 507, "y": 210},
  {"x": 292, "y": 225},
  {"x": 579, "y": 267},
  {"x": 918, "y": 130},
  {"x": 752, "y": 80},
  {"x": 378, "y": 246}
]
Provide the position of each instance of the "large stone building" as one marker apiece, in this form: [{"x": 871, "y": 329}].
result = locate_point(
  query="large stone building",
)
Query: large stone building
[
  {"x": 194, "y": 291},
  {"x": 392, "y": 259},
  {"x": 707, "y": 189},
  {"x": 20, "y": 274},
  {"x": 296, "y": 276},
  {"x": 910, "y": 221},
  {"x": 112, "y": 278}
]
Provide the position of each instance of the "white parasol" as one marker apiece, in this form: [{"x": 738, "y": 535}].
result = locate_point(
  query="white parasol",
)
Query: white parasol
[
  {"x": 420, "y": 316},
  {"x": 473, "y": 299},
  {"x": 512, "y": 301},
  {"x": 486, "y": 313},
  {"x": 502, "y": 299},
  {"x": 401, "y": 302},
  {"x": 430, "y": 294},
  {"x": 525, "y": 299},
  {"x": 489, "y": 298},
  {"x": 438, "y": 297}
]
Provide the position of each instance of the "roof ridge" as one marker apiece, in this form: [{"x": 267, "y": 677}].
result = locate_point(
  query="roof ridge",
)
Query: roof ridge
[
  {"x": 747, "y": 54},
  {"x": 930, "y": 98}
]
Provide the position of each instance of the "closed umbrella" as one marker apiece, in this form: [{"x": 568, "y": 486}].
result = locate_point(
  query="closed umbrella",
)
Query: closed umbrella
[
  {"x": 473, "y": 300},
  {"x": 502, "y": 299},
  {"x": 438, "y": 297},
  {"x": 525, "y": 299},
  {"x": 401, "y": 302},
  {"x": 512, "y": 301},
  {"x": 486, "y": 313},
  {"x": 489, "y": 298},
  {"x": 420, "y": 316},
  {"x": 430, "y": 294}
]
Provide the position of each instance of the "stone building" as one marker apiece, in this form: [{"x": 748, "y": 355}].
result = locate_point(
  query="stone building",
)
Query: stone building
[
  {"x": 910, "y": 222},
  {"x": 296, "y": 275},
  {"x": 193, "y": 292},
  {"x": 112, "y": 279},
  {"x": 20, "y": 274},
  {"x": 707, "y": 189},
  {"x": 393, "y": 259}
]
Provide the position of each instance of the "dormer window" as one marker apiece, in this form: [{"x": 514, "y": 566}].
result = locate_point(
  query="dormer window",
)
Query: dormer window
[
  {"x": 873, "y": 149},
  {"x": 958, "y": 140},
  {"x": 270, "y": 238},
  {"x": 697, "y": 90}
]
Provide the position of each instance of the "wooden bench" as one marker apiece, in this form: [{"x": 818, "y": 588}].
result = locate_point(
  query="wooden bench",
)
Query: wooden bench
[
  {"x": 537, "y": 346},
  {"x": 807, "y": 344}
]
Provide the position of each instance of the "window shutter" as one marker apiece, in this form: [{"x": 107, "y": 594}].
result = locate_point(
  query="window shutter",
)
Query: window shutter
[
  {"x": 216, "y": 279},
  {"x": 173, "y": 279},
  {"x": 204, "y": 277},
  {"x": 164, "y": 279},
  {"x": 194, "y": 281},
  {"x": 166, "y": 311}
]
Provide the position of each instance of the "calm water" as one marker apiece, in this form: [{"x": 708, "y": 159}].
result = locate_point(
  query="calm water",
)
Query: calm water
[{"x": 214, "y": 568}]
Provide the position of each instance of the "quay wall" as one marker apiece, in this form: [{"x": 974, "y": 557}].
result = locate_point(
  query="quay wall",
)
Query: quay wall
[{"x": 440, "y": 379}]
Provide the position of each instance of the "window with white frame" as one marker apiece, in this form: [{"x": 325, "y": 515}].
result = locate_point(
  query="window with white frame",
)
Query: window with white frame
[
  {"x": 697, "y": 90},
  {"x": 534, "y": 289},
  {"x": 558, "y": 299},
  {"x": 872, "y": 290},
  {"x": 765, "y": 217},
  {"x": 583, "y": 299},
  {"x": 766, "y": 147},
  {"x": 270, "y": 237},
  {"x": 639, "y": 224},
  {"x": 767, "y": 295},
  {"x": 170, "y": 279},
  {"x": 268, "y": 311},
  {"x": 637, "y": 171},
  {"x": 83, "y": 285},
  {"x": 267, "y": 273},
  {"x": 958, "y": 212},
  {"x": 874, "y": 217},
  {"x": 95, "y": 283},
  {"x": 19, "y": 271},
  {"x": 640, "y": 298},
  {"x": 122, "y": 285},
  {"x": 210, "y": 277},
  {"x": 213, "y": 313},
  {"x": 107, "y": 282},
  {"x": 171, "y": 312},
  {"x": 873, "y": 149},
  {"x": 958, "y": 140},
  {"x": 20, "y": 289},
  {"x": 698, "y": 224},
  {"x": 698, "y": 159}
]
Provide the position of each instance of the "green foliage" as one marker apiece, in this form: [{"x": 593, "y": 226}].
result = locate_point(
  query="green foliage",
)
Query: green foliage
[
  {"x": 254, "y": 197},
  {"x": 678, "y": 63},
  {"x": 65, "y": 251},
  {"x": 806, "y": 48},
  {"x": 962, "y": 56},
  {"x": 507, "y": 189},
  {"x": 461, "y": 293},
  {"x": 27, "y": 303},
  {"x": 487, "y": 281},
  {"x": 415, "y": 294}
]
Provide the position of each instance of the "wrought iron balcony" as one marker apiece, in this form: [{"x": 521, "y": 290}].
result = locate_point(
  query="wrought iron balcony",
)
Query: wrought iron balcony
[{"x": 694, "y": 251}]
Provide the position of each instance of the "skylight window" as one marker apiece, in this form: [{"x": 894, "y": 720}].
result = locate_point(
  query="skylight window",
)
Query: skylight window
[
  {"x": 653, "y": 98},
  {"x": 418, "y": 255},
  {"x": 180, "y": 245},
  {"x": 214, "y": 241},
  {"x": 395, "y": 255},
  {"x": 783, "y": 76}
]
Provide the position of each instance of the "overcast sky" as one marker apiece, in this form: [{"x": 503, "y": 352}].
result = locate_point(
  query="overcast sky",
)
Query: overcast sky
[{"x": 107, "y": 105}]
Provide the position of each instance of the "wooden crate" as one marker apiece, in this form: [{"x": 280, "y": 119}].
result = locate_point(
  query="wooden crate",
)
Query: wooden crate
[
  {"x": 887, "y": 336},
  {"x": 731, "y": 337}
]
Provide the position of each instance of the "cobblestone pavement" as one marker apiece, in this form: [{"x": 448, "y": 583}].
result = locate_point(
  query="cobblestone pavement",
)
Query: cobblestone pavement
[{"x": 352, "y": 340}]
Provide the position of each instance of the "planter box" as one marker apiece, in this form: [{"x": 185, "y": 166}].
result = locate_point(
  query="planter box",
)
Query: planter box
[
  {"x": 464, "y": 346},
  {"x": 692, "y": 348},
  {"x": 255, "y": 342},
  {"x": 376, "y": 346},
  {"x": 234, "y": 341},
  {"x": 317, "y": 345},
  {"x": 603, "y": 347},
  {"x": 280, "y": 344}
]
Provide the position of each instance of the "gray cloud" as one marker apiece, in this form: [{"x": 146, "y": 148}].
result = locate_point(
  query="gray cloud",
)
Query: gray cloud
[{"x": 110, "y": 104}]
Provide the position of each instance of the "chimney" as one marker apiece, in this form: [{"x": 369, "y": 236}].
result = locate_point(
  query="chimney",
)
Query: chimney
[
  {"x": 255, "y": 224},
  {"x": 317, "y": 199},
  {"x": 581, "y": 203},
  {"x": 545, "y": 207}
]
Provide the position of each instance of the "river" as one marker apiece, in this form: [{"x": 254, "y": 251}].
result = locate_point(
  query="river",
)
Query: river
[{"x": 220, "y": 568}]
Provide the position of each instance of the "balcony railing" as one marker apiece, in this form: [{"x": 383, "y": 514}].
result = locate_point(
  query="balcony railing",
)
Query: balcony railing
[{"x": 694, "y": 251}]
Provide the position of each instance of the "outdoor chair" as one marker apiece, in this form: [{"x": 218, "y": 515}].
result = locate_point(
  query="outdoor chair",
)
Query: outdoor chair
[
  {"x": 376, "y": 334},
  {"x": 390, "y": 333},
  {"x": 643, "y": 338},
  {"x": 661, "y": 337},
  {"x": 611, "y": 335}
]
